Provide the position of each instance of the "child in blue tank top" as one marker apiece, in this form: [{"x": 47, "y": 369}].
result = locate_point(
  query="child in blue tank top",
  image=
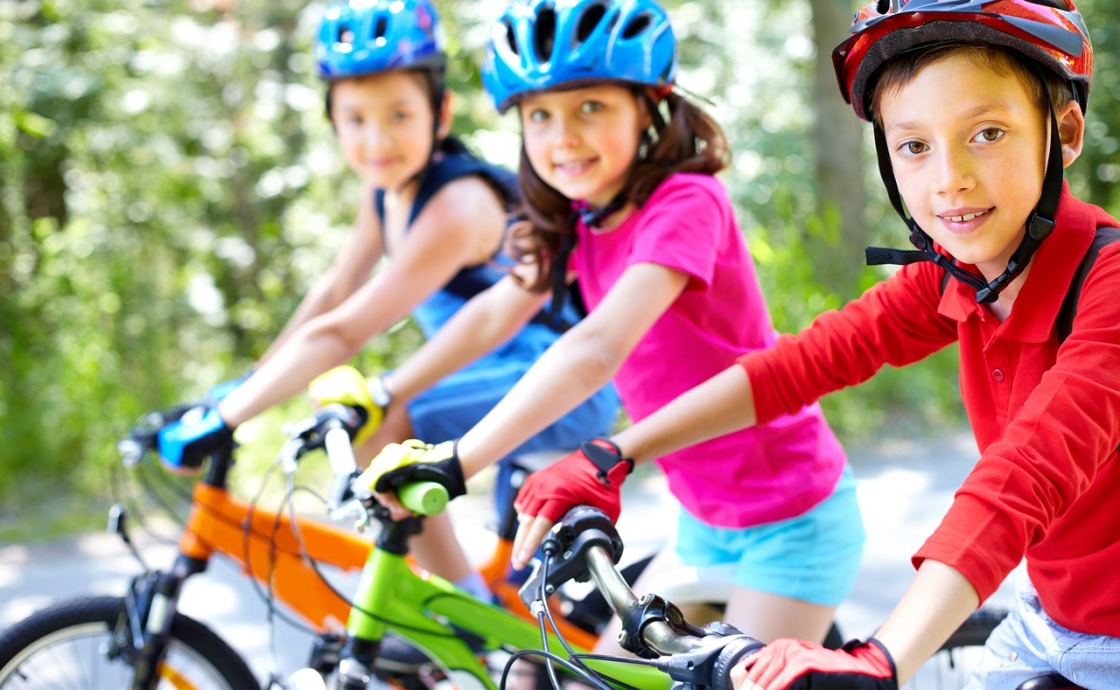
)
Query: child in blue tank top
[{"x": 440, "y": 214}]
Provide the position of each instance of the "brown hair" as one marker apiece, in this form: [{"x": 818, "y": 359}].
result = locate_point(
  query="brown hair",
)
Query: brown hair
[
  {"x": 690, "y": 141},
  {"x": 901, "y": 70}
]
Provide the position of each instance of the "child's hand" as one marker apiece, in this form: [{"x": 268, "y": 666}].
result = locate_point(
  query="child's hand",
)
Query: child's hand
[
  {"x": 346, "y": 385},
  {"x": 591, "y": 476},
  {"x": 185, "y": 443},
  {"x": 799, "y": 665},
  {"x": 412, "y": 461}
]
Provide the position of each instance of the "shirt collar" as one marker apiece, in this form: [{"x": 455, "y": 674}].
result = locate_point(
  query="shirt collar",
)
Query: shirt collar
[{"x": 1052, "y": 270}]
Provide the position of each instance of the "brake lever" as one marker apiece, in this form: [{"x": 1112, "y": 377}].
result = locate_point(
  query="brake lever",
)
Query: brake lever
[
  {"x": 709, "y": 663},
  {"x": 567, "y": 545}
]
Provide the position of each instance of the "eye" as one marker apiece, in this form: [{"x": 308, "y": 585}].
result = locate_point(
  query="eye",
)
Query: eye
[
  {"x": 400, "y": 116},
  {"x": 538, "y": 115},
  {"x": 913, "y": 148},
  {"x": 589, "y": 107},
  {"x": 990, "y": 134}
]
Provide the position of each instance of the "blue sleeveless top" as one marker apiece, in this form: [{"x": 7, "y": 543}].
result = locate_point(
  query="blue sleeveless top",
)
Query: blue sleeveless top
[{"x": 456, "y": 162}]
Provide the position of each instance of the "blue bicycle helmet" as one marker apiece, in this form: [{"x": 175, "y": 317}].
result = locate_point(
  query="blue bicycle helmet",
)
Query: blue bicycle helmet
[
  {"x": 360, "y": 37},
  {"x": 540, "y": 44}
]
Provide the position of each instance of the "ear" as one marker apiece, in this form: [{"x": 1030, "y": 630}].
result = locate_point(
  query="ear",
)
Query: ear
[
  {"x": 445, "y": 115},
  {"x": 1071, "y": 127}
]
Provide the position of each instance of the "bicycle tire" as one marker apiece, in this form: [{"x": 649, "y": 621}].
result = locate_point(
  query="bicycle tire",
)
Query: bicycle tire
[
  {"x": 949, "y": 668},
  {"x": 64, "y": 645}
]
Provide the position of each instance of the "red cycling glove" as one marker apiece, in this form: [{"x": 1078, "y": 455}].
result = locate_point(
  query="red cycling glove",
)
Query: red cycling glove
[
  {"x": 799, "y": 665},
  {"x": 591, "y": 476}
]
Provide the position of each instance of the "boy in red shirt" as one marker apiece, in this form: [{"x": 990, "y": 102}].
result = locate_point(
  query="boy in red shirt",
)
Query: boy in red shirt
[{"x": 977, "y": 107}]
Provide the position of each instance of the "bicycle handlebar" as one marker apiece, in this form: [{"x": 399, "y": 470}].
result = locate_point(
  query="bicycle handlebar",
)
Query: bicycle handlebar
[
  {"x": 335, "y": 425},
  {"x": 585, "y": 544},
  {"x": 331, "y": 428}
]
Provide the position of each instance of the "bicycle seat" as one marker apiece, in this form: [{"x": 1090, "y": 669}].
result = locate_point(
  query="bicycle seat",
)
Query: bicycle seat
[{"x": 1051, "y": 681}]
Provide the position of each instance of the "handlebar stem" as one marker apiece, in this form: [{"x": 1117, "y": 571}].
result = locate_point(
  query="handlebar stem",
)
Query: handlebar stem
[{"x": 651, "y": 625}]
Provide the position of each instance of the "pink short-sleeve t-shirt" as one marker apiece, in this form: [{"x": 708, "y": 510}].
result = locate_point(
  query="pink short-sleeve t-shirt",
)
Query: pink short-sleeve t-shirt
[{"x": 763, "y": 474}]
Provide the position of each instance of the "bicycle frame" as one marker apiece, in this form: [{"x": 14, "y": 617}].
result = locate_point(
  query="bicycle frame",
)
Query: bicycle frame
[{"x": 391, "y": 594}]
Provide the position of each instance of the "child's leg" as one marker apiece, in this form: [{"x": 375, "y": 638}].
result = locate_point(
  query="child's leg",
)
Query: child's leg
[
  {"x": 788, "y": 576},
  {"x": 793, "y": 574},
  {"x": 768, "y": 617},
  {"x": 1029, "y": 643}
]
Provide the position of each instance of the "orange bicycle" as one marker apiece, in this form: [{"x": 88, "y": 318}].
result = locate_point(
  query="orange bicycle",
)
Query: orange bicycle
[{"x": 141, "y": 641}]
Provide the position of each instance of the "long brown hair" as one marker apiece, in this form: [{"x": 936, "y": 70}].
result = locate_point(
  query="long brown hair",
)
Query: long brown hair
[{"x": 690, "y": 141}]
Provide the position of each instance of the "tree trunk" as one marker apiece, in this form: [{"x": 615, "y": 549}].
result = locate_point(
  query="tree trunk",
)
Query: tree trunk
[{"x": 839, "y": 169}]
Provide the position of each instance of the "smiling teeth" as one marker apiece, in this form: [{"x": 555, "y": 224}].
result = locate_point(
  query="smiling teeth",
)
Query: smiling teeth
[{"x": 966, "y": 217}]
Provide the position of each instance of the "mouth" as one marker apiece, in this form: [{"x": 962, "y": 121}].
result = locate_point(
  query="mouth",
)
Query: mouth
[
  {"x": 575, "y": 166},
  {"x": 381, "y": 162},
  {"x": 965, "y": 217}
]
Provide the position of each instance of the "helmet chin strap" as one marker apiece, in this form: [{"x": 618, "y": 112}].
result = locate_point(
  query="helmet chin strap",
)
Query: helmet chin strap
[{"x": 1039, "y": 224}]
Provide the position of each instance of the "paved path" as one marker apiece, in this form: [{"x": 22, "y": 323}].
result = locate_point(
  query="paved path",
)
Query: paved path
[{"x": 904, "y": 488}]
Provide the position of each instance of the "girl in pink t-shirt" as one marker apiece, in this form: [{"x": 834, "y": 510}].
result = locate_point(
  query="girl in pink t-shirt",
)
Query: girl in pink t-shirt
[{"x": 617, "y": 171}]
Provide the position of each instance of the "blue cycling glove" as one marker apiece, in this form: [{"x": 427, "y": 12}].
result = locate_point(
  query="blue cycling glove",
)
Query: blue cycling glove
[
  {"x": 185, "y": 443},
  {"x": 219, "y": 391}
]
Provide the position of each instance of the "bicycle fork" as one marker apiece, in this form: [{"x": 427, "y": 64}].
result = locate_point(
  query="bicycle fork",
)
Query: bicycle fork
[{"x": 148, "y": 610}]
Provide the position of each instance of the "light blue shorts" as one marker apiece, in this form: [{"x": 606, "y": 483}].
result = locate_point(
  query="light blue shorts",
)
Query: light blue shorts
[
  {"x": 814, "y": 557},
  {"x": 1029, "y": 643}
]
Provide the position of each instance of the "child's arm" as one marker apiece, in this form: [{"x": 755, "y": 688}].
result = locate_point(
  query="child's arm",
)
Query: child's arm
[
  {"x": 719, "y": 406},
  {"x": 581, "y": 362},
  {"x": 444, "y": 238},
  {"x": 895, "y": 322},
  {"x": 349, "y": 272},
  {"x": 482, "y": 324},
  {"x": 936, "y": 603}
]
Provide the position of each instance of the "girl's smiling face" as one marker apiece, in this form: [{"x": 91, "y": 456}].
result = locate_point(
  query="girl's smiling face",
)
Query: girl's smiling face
[
  {"x": 385, "y": 125},
  {"x": 582, "y": 142}
]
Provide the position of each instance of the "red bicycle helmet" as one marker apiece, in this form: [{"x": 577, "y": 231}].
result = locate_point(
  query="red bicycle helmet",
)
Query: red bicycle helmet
[{"x": 1051, "y": 32}]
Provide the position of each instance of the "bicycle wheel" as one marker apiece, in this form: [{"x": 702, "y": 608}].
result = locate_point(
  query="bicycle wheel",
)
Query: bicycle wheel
[
  {"x": 66, "y": 646},
  {"x": 950, "y": 667}
]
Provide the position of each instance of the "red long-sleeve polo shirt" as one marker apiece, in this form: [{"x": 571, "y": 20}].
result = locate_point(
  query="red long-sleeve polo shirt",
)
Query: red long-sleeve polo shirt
[{"x": 1046, "y": 418}]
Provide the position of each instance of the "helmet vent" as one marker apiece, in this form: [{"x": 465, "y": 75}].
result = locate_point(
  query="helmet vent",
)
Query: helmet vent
[
  {"x": 590, "y": 19},
  {"x": 544, "y": 33},
  {"x": 1056, "y": 4},
  {"x": 636, "y": 25},
  {"x": 511, "y": 37},
  {"x": 345, "y": 35},
  {"x": 883, "y": 6},
  {"x": 380, "y": 28}
]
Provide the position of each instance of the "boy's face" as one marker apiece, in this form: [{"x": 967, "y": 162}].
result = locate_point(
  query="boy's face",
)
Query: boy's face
[
  {"x": 968, "y": 146},
  {"x": 384, "y": 123}
]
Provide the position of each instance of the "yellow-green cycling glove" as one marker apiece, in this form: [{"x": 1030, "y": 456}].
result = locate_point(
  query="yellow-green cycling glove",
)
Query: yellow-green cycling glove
[
  {"x": 414, "y": 461},
  {"x": 347, "y": 386}
]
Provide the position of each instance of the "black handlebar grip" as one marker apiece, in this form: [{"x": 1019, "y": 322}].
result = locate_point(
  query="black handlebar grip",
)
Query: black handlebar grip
[{"x": 737, "y": 649}]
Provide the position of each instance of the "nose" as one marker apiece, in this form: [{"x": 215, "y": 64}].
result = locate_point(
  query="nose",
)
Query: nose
[
  {"x": 565, "y": 132},
  {"x": 954, "y": 171},
  {"x": 374, "y": 137}
]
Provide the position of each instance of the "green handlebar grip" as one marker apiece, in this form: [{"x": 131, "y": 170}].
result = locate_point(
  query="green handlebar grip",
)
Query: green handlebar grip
[{"x": 425, "y": 498}]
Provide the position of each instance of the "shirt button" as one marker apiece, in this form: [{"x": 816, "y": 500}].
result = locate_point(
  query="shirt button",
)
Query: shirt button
[{"x": 997, "y": 374}]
